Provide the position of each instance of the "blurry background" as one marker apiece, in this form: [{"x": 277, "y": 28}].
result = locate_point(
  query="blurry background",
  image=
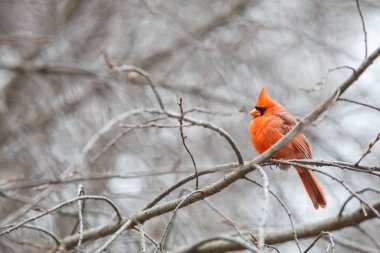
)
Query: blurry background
[{"x": 56, "y": 92}]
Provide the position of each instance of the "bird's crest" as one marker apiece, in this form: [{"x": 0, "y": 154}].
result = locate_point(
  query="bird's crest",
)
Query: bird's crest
[{"x": 264, "y": 100}]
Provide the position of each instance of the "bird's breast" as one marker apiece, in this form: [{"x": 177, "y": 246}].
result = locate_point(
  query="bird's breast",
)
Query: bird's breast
[{"x": 263, "y": 134}]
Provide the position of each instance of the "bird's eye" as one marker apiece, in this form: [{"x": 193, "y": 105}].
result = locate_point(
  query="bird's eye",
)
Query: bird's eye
[{"x": 261, "y": 109}]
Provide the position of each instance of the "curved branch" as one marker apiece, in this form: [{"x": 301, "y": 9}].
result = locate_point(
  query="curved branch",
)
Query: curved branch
[
  {"x": 129, "y": 68},
  {"x": 205, "y": 125},
  {"x": 359, "y": 103},
  {"x": 286, "y": 210},
  {"x": 40, "y": 229},
  {"x": 337, "y": 164},
  {"x": 59, "y": 206},
  {"x": 276, "y": 236},
  {"x": 188, "y": 179},
  {"x": 352, "y": 196}
]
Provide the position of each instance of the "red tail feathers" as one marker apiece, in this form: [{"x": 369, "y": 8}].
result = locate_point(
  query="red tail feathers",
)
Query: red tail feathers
[{"x": 313, "y": 189}]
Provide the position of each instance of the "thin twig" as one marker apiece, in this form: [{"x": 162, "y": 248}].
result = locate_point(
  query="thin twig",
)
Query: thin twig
[
  {"x": 114, "y": 140},
  {"x": 142, "y": 238},
  {"x": 130, "y": 68},
  {"x": 205, "y": 125},
  {"x": 59, "y": 206},
  {"x": 108, "y": 127},
  {"x": 229, "y": 239},
  {"x": 263, "y": 221},
  {"x": 331, "y": 243},
  {"x": 183, "y": 137},
  {"x": 319, "y": 86},
  {"x": 25, "y": 37},
  {"x": 31, "y": 243},
  {"x": 20, "y": 199},
  {"x": 187, "y": 179},
  {"x": 154, "y": 125},
  {"x": 323, "y": 233},
  {"x": 205, "y": 111},
  {"x": 369, "y": 149},
  {"x": 286, "y": 210},
  {"x": 356, "y": 246},
  {"x": 80, "y": 216},
  {"x": 243, "y": 244},
  {"x": 364, "y": 29},
  {"x": 40, "y": 229},
  {"x": 125, "y": 226},
  {"x": 230, "y": 222},
  {"x": 171, "y": 220},
  {"x": 338, "y": 164},
  {"x": 352, "y": 196},
  {"x": 154, "y": 242},
  {"x": 359, "y": 103},
  {"x": 12, "y": 179},
  {"x": 370, "y": 237}
]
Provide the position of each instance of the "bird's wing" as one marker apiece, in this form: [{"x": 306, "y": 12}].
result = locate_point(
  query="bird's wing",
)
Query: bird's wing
[{"x": 299, "y": 141}]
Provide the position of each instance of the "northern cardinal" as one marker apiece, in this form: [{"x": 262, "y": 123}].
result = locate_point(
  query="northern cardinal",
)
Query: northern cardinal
[{"x": 272, "y": 121}]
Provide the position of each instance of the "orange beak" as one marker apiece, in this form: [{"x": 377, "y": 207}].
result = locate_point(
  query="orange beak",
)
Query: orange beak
[{"x": 255, "y": 112}]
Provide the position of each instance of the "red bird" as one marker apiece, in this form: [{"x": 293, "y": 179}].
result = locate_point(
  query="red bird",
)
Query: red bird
[{"x": 271, "y": 122}]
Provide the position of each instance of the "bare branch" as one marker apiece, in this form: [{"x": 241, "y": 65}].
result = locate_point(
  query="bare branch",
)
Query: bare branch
[
  {"x": 129, "y": 68},
  {"x": 171, "y": 220},
  {"x": 276, "y": 236},
  {"x": 286, "y": 210},
  {"x": 147, "y": 236},
  {"x": 51, "y": 69},
  {"x": 30, "y": 243},
  {"x": 370, "y": 237},
  {"x": 183, "y": 137},
  {"x": 352, "y": 196},
  {"x": 80, "y": 215},
  {"x": 25, "y": 36},
  {"x": 187, "y": 179},
  {"x": 59, "y": 206},
  {"x": 263, "y": 221},
  {"x": 364, "y": 29},
  {"x": 230, "y": 222},
  {"x": 142, "y": 238},
  {"x": 359, "y": 103},
  {"x": 356, "y": 246},
  {"x": 40, "y": 229},
  {"x": 337, "y": 164},
  {"x": 205, "y": 111},
  {"x": 319, "y": 86},
  {"x": 223, "y": 239},
  {"x": 205, "y": 125},
  {"x": 369, "y": 149},
  {"x": 154, "y": 125},
  {"x": 323, "y": 233},
  {"x": 107, "y": 127}
]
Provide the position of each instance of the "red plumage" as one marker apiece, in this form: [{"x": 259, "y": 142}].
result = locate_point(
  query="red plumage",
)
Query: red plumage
[{"x": 271, "y": 122}]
